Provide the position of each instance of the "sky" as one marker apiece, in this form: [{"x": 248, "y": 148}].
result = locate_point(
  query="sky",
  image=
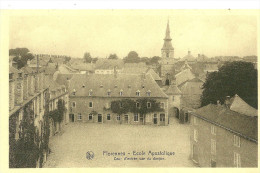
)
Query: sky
[{"x": 102, "y": 32}]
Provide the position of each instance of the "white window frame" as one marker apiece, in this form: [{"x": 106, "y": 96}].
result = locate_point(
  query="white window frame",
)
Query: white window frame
[
  {"x": 213, "y": 146},
  {"x": 79, "y": 116},
  {"x": 108, "y": 115},
  {"x": 149, "y": 103},
  {"x": 90, "y": 115},
  {"x": 195, "y": 135},
  {"x": 91, "y": 104},
  {"x": 73, "y": 103},
  {"x": 213, "y": 130},
  {"x": 138, "y": 93},
  {"x": 236, "y": 141},
  {"x": 136, "y": 115},
  {"x": 121, "y": 93},
  {"x": 148, "y": 93},
  {"x": 237, "y": 160},
  {"x": 109, "y": 93},
  {"x": 162, "y": 105}
]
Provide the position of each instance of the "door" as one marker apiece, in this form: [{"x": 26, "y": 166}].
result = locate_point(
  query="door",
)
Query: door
[
  {"x": 154, "y": 119},
  {"x": 162, "y": 119},
  {"x": 213, "y": 163},
  {"x": 126, "y": 119},
  {"x": 142, "y": 119},
  {"x": 71, "y": 117},
  {"x": 195, "y": 156},
  {"x": 99, "y": 118}
]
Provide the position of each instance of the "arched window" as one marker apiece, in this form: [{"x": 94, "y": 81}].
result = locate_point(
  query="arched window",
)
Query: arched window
[{"x": 121, "y": 92}]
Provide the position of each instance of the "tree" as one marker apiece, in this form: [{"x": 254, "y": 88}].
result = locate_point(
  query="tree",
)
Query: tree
[
  {"x": 87, "y": 57},
  {"x": 113, "y": 56},
  {"x": 232, "y": 78},
  {"x": 22, "y": 55},
  {"x": 132, "y": 57},
  {"x": 155, "y": 60}
]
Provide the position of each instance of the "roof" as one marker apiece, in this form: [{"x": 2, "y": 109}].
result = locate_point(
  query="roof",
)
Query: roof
[
  {"x": 173, "y": 90},
  {"x": 244, "y": 125},
  {"x": 83, "y": 67},
  {"x": 102, "y": 63},
  {"x": 193, "y": 86},
  {"x": 129, "y": 83},
  {"x": 62, "y": 78},
  {"x": 154, "y": 75},
  {"x": 188, "y": 57},
  {"x": 13, "y": 70},
  {"x": 133, "y": 65},
  {"x": 184, "y": 76},
  {"x": 134, "y": 70},
  {"x": 49, "y": 70},
  {"x": 240, "y": 106}
]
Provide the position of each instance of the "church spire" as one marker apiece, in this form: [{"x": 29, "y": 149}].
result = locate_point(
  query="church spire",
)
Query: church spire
[{"x": 167, "y": 34}]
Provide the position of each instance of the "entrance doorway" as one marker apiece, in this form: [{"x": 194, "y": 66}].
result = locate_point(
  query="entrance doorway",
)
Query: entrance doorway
[
  {"x": 71, "y": 116},
  {"x": 195, "y": 157},
  {"x": 126, "y": 119},
  {"x": 99, "y": 118},
  {"x": 162, "y": 119},
  {"x": 213, "y": 163},
  {"x": 155, "y": 119}
]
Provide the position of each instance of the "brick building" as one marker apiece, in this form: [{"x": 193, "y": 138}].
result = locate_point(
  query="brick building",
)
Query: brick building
[
  {"x": 224, "y": 136},
  {"x": 91, "y": 97}
]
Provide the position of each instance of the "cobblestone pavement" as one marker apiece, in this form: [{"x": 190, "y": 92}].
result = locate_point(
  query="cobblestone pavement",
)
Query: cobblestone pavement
[{"x": 69, "y": 148}]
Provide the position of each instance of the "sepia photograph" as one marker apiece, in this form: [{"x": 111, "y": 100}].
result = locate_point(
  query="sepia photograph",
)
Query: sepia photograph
[{"x": 133, "y": 88}]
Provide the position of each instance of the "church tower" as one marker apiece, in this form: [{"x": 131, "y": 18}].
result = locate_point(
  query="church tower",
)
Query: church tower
[
  {"x": 167, "y": 61},
  {"x": 167, "y": 49}
]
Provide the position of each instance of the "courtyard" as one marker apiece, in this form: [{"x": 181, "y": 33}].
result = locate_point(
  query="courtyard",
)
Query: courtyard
[{"x": 120, "y": 145}]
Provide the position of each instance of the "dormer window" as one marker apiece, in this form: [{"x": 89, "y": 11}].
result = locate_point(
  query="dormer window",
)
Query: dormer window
[
  {"x": 148, "y": 93},
  {"x": 115, "y": 86},
  {"x": 74, "y": 92},
  {"x": 101, "y": 86},
  {"x": 90, "y": 92},
  {"x": 137, "y": 93},
  {"x": 109, "y": 92},
  {"x": 83, "y": 86},
  {"x": 121, "y": 92},
  {"x": 143, "y": 86},
  {"x": 129, "y": 86}
]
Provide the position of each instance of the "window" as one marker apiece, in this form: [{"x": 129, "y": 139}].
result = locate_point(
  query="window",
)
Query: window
[
  {"x": 79, "y": 116},
  {"x": 90, "y": 104},
  {"x": 148, "y": 105},
  {"x": 73, "y": 104},
  {"x": 136, "y": 117},
  {"x": 167, "y": 55},
  {"x": 90, "y": 117},
  {"x": 137, "y": 93},
  {"x": 162, "y": 105},
  {"x": 195, "y": 133},
  {"x": 108, "y": 92},
  {"x": 213, "y": 146},
  {"x": 137, "y": 104},
  {"x": 121, "y": 92},
  {"x": 108, "y": 117},
  {"x": 213, "y": 130},
  {"x": 118, "y": 117},
  {"x": 121, "y": 104},
  {"x": 148, "y": 93},
  {"x": 236, "y": 141},
  {"x": 90, "y": 92},
  {"x": 237, "y": 160},
  {"x": 195, "y": 121}
]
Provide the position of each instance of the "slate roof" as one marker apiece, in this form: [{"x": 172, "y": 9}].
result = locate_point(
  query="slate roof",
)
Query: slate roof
[
  {"x": 244, "y": 125},
  {"x": 127, "y": 83},
  {"x": 102, "y": 63},
  {"x": 134, "y": 70},
  {"x": 193, "y": 86},
  {"x": 240, "y": 106},
  {"x": 184, "y": 76},
  {"x": 62, "y": 78},
  {"x": 173, "y": 90},
  {"x": 154, "y": 75}
]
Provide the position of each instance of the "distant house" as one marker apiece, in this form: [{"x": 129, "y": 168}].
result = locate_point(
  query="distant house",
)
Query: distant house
[
  {"x": 155, "y": 76},
  {"x": 91, "y": 97},
  {"x": 225, "y": 135},
  {"x": 108, "y": 66}
]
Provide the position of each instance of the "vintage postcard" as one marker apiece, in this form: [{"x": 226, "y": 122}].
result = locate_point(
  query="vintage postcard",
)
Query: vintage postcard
[{"x": 131, "y": 88}]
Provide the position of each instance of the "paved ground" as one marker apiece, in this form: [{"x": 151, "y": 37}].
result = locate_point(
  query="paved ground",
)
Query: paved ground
[{"x": 69, "y": 148}]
